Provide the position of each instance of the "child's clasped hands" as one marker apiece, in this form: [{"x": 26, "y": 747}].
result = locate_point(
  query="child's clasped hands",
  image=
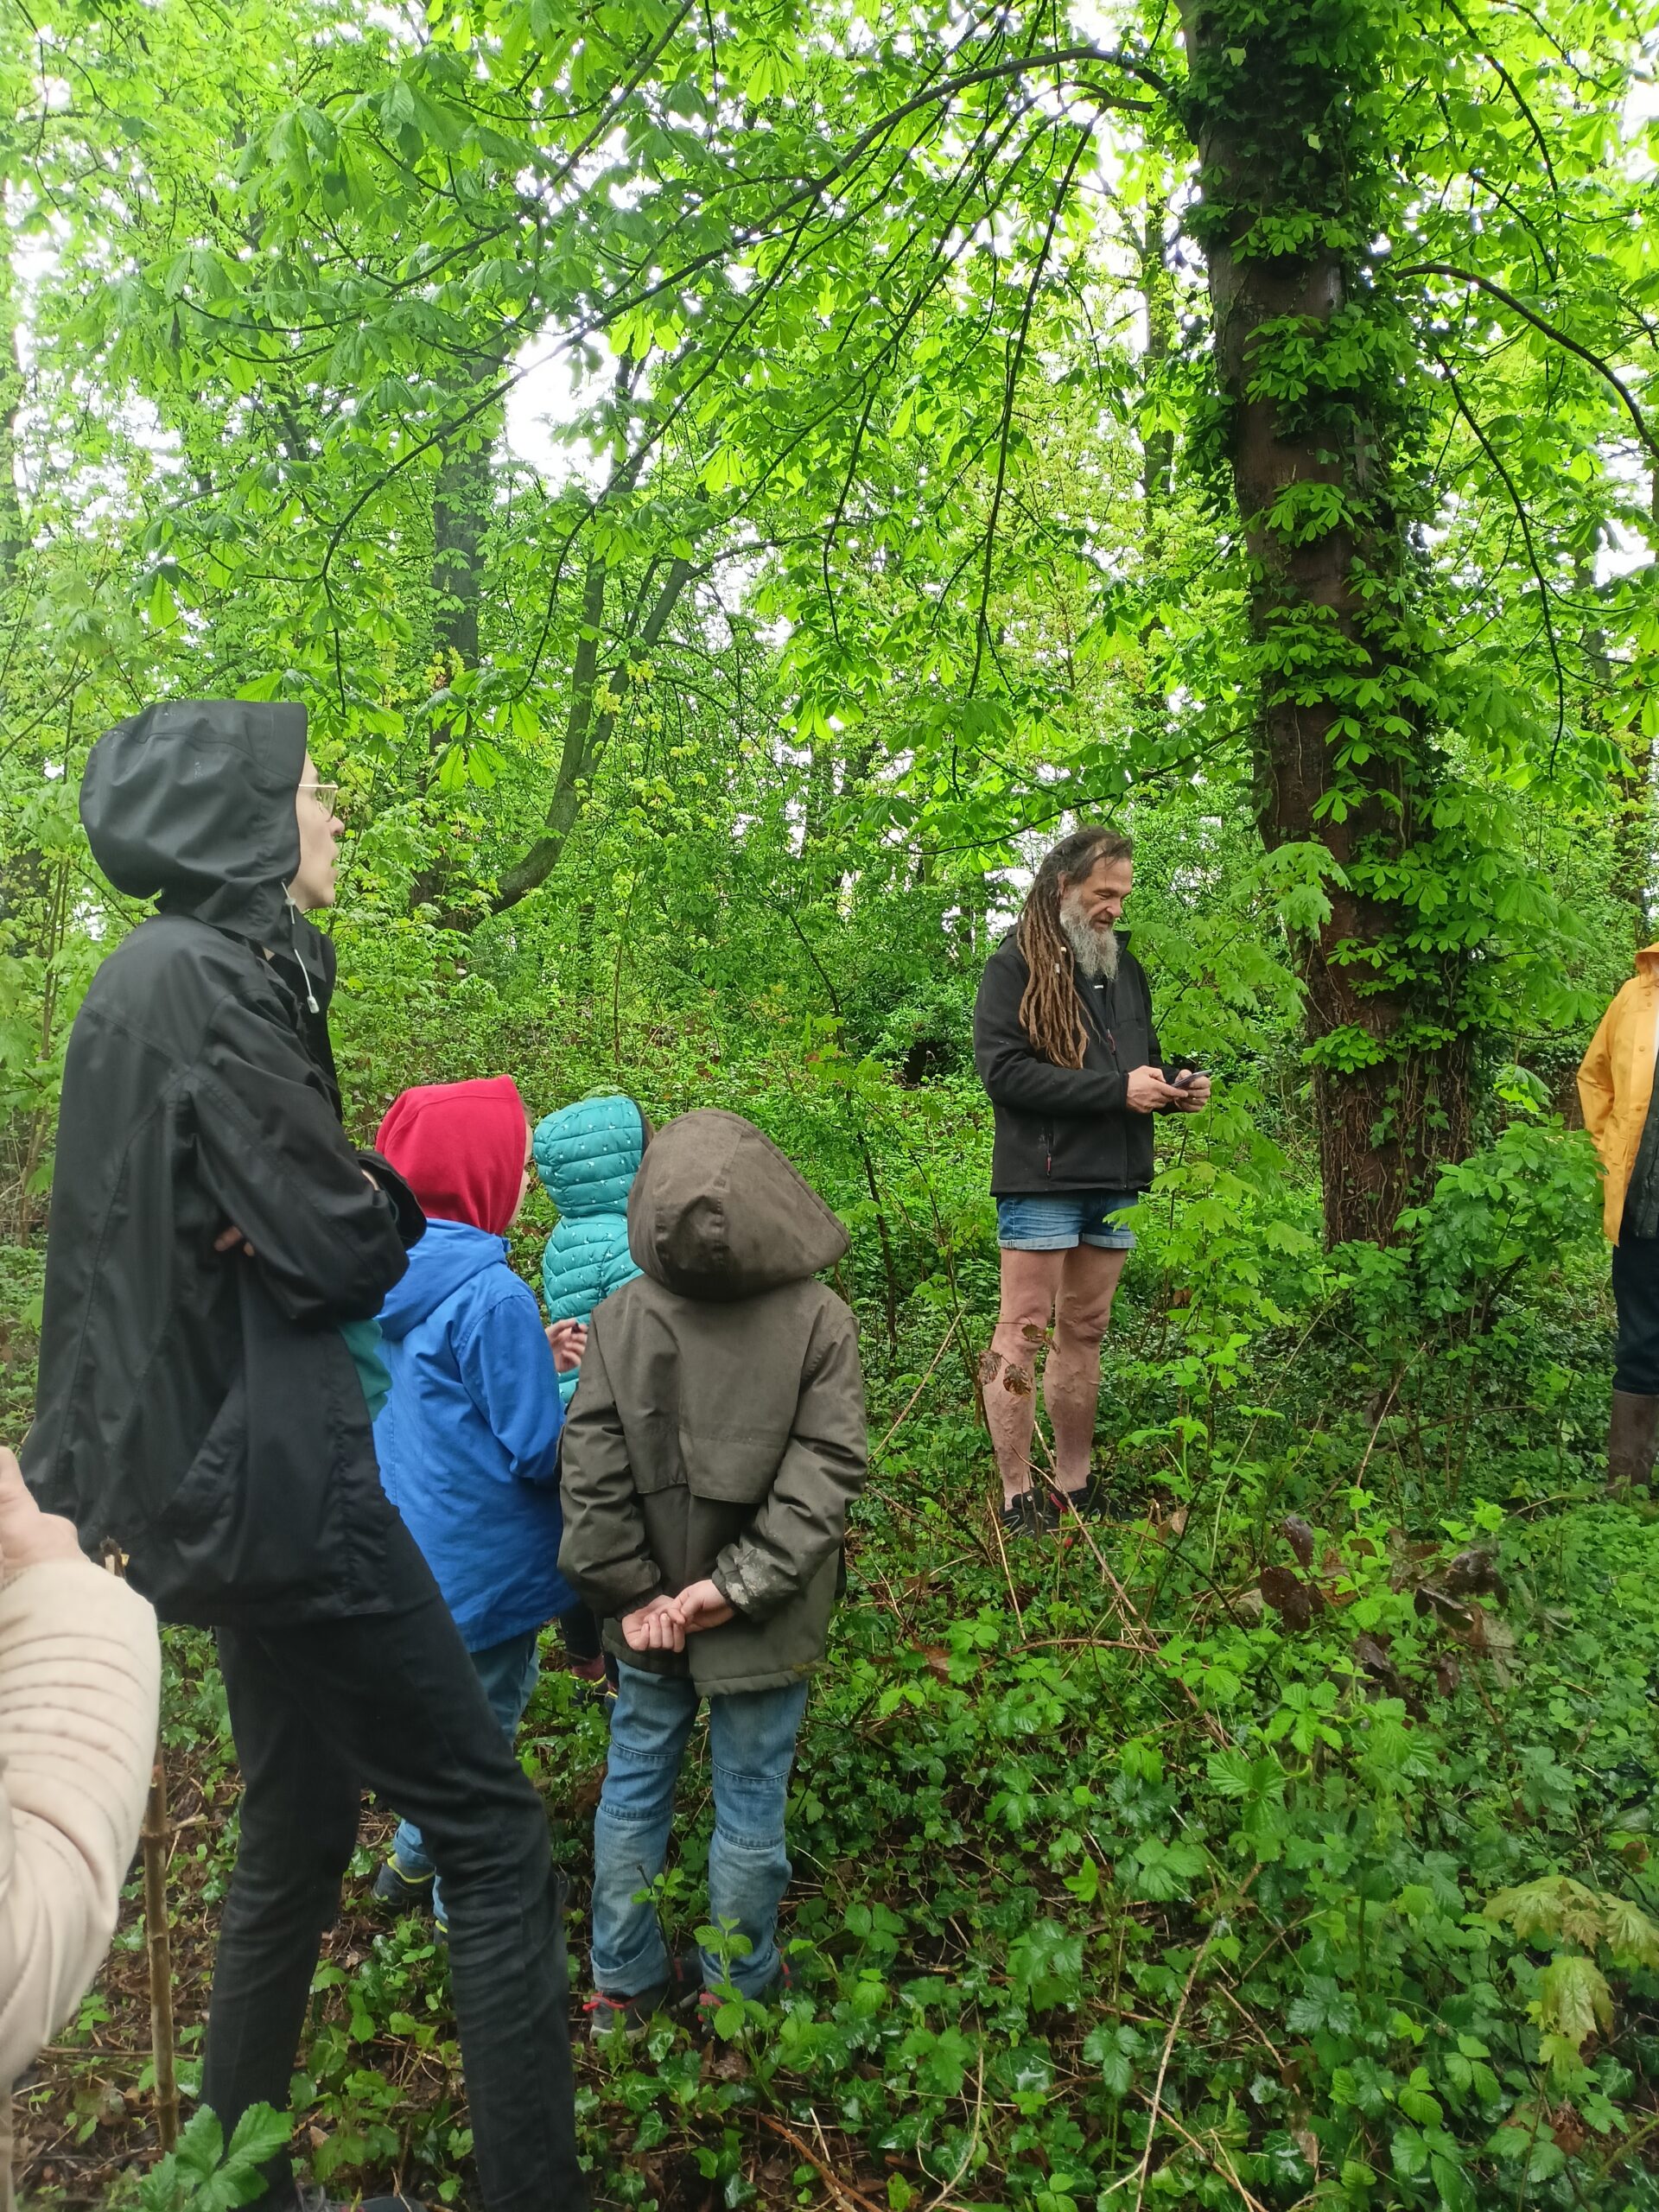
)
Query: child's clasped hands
[{"x": 663, "y": 1624}]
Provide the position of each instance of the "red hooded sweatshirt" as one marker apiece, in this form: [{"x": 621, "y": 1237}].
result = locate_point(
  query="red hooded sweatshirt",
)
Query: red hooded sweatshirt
[{"x": 460, "y": 1149}]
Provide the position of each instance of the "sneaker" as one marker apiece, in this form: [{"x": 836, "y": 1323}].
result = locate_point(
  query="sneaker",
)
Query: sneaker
[
  {"x": 1088, "y": 1503},
  {"x": 1028, "y": 1515},
  {"x": 402, "y": 1893},
  {"x": 606, "y": 2011}
]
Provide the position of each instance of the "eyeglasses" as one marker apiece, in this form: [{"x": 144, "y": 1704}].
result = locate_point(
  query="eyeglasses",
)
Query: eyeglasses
[{"x": 325, "y": 795}]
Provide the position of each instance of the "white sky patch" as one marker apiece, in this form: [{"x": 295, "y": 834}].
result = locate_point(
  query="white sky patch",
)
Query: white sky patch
[{"x": 553, "y": 391}]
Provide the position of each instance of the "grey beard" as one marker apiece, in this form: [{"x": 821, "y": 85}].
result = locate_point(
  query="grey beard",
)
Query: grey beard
[{"x": 1094, "y": 951}]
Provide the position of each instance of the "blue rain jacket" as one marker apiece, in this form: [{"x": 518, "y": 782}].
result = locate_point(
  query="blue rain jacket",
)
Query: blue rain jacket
[
  {"x": 587, "y": 1156},
  {"x": 468, "y": 1440}
]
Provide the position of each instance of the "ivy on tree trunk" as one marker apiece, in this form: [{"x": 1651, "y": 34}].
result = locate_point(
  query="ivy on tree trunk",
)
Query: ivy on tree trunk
[{"x": 1311, "y": 423}]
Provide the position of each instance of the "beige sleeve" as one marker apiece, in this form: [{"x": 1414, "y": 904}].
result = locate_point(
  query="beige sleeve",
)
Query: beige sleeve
[{"x": 80, "y": 1687}]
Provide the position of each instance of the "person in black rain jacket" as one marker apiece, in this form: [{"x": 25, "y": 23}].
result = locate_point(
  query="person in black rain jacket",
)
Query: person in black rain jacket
[
  {"x": 217, "y": 1253},
  {"x": 1066, "y": 1046}
]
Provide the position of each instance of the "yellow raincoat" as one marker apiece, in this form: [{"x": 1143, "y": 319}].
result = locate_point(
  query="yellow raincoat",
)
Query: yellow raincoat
[{"x": 1616, "y": 1081}]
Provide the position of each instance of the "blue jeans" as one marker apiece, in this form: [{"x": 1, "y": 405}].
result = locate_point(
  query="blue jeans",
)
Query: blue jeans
[
  {"x": 751, "y": 1747},
  {"x": 507, "y": 1672},
  {"x": 1057, "y": 1221}
]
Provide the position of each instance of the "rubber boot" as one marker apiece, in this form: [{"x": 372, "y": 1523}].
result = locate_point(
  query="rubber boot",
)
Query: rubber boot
[{"x": 1632, "y": 1441}]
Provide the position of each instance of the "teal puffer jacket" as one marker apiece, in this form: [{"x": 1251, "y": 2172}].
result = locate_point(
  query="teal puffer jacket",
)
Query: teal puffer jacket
[{"x": 587, "y": 1156}]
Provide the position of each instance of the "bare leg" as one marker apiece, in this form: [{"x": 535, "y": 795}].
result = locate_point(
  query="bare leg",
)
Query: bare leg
[
  {"x": 1030, "y": 1283},
  {"x": 1071, "y": 1377}
]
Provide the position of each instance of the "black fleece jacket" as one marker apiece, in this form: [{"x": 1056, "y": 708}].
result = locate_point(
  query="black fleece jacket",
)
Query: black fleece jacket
[{"x": 1065, "y": 1129}]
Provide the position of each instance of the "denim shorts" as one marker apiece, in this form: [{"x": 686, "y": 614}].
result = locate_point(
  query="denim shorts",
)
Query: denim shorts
[{"x": 1058, "y": 1221}]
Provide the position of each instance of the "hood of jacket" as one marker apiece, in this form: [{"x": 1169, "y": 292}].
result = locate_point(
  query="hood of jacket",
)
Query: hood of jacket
[
  {"x": 589, "y": 1153},
  {"x": 449, "y": 1254},
  {"x": 1647, "y": 961},
  {"x": 460, "y": 1149},
  {"x": 192, "y": 802},
  {"x": 717, "y": 1212}
]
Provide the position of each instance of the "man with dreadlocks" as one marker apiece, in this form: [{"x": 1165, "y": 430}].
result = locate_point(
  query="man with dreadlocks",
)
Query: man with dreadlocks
[{"x": 1065, "y": 1048}]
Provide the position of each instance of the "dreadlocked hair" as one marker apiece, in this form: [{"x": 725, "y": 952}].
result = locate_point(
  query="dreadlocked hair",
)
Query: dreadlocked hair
[{"x": 1050, "y": 1012}]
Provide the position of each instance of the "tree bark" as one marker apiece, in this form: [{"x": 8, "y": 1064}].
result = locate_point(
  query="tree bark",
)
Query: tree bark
[
  {"x": 463, "y": 498},
  {"x": 820, "y": 790},
  {"x": 13, "y": 537},
  {"x": 1633, "y": 781},
  {"x": 1391, "y": 1063},
  {"x": 1158, "y": 290},
  {"x": 462, "y": 502},
  {"x": 596, "y": 701}
]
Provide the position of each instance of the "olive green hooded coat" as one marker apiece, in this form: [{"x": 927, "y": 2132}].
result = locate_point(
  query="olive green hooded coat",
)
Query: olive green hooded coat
[{"x": 718, "y": 1428}]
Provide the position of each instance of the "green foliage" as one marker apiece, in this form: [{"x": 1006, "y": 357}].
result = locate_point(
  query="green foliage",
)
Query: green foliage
[
  {"x": 1203, "y": 419},
  {"x": 208, "y": 2174}
]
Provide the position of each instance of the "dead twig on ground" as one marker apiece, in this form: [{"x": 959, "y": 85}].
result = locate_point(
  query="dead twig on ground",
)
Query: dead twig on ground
[{"x": 843, "y": 2191}]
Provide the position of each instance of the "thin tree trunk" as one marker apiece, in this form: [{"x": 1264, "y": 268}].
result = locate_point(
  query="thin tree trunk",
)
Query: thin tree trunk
[
  {"x": 155, "y": 1839},
  {"x": 1158, "y": 290},
  {"x": 820, "y": 790},
  {"x": 596, "y": 701},
  {"x": 12, "y": 531}
]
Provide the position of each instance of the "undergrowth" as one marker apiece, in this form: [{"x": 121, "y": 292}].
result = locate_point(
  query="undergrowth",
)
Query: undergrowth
[{"x": 1283, "y": 1840}]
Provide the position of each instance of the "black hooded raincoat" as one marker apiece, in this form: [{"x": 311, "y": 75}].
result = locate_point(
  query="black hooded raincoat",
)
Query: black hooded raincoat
[{"x": 201, "y": 1410}]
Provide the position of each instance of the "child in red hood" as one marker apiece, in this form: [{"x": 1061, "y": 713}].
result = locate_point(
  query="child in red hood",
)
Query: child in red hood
[{"x": 469, "y": 1439}]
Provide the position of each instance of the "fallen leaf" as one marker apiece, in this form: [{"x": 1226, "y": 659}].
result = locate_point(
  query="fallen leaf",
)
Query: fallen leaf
[
  {"x": 1293, "y": 1600},
  {"x": 1448, "y": 1674},
  {"x": 1569, "y": 2132},
  {"x": 1473, "y": 1570},
  {"x": 1428, "y": 1600},
  {"x": 1297, "y": 1534}
]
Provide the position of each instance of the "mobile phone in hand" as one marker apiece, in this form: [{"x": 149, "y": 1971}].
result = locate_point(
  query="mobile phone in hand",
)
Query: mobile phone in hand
[{"x": 1183, "y": 1081}]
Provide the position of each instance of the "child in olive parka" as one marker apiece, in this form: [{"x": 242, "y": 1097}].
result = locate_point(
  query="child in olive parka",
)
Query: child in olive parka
[{"x": 714, "y": 1446}]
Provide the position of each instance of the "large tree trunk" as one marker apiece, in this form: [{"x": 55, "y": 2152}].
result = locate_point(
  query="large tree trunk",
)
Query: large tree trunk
[
  {"x": 462, "y": 502},
  {"x": 1276, "y": 129},
  {"x": 463, "y": 499},
  {"x": 1633, "y": 782}
]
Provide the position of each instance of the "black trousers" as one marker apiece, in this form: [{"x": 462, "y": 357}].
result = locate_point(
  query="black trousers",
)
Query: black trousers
[
  {"x": 579, "y": 1633},
  {"x": 1636, "y": 1294},
  {"x": 390, "y": 1701}
]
